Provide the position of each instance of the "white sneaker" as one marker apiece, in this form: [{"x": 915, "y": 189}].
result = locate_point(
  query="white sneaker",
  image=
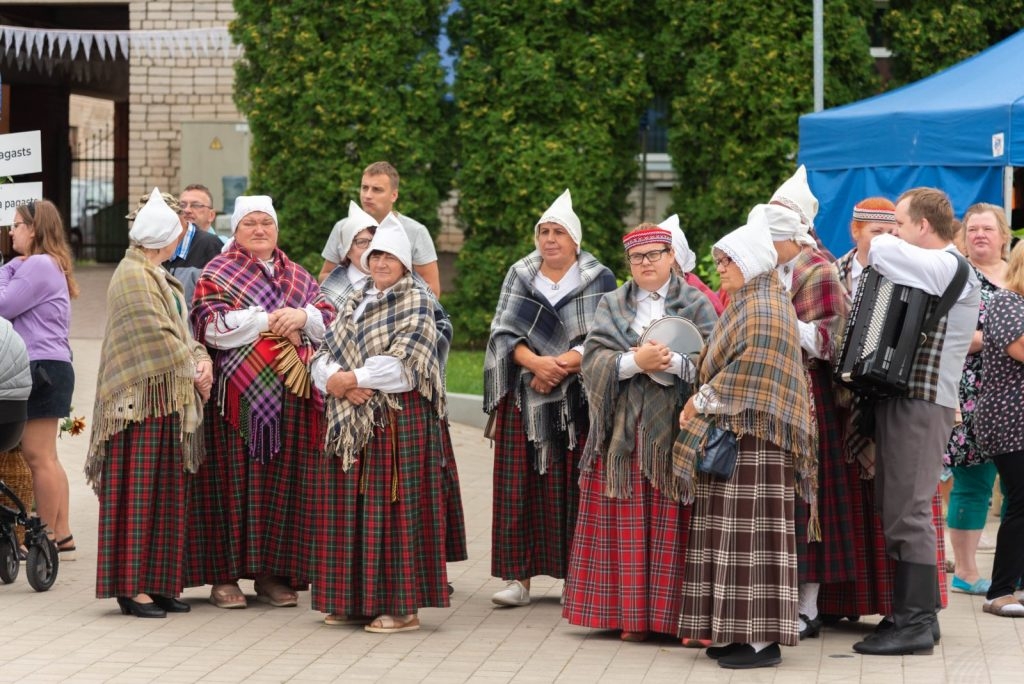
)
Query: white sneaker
[{"x": 514, "y": 594}]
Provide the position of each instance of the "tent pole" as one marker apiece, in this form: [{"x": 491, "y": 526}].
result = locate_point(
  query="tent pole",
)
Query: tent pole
[
  {"x": 1008, "y": 194},
  {"x": 819, "y": 56}
]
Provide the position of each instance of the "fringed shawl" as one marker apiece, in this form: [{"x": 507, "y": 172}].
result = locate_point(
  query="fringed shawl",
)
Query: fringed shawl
[
  {"x": 753, "y": 365},
  {"x": 399, "y": 324},
  {"x": 525, "y": 316},
  {"x": 248, "y": 390},
  {"x": 819, "y": 298},
  {"x": 635, "y": 415},
  {"x": 147, "y": 362}
]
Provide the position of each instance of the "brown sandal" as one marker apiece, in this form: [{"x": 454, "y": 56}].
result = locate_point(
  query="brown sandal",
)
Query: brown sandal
[
  {"x": 227, "y": 596},
  {"x": 1004, "y": 606},
  {"x": 275, "y": 593},
  {"x": 389, "y": 624},
  {"x": 342, "y": 619}
]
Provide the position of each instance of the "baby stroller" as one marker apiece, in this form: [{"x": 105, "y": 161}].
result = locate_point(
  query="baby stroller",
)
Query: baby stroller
[{"x": 41, "y": 564}]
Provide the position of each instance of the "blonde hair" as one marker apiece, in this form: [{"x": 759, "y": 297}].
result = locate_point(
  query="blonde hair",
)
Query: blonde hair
[
  {"x": 1001, "y": 224},
  {"x": 49, "y": 237},
  {"x": 1015, "y": 269}
]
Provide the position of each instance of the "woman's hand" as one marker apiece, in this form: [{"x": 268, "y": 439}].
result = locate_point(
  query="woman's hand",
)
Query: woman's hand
[
  {"x": 652, "y": 356},
  {"x": 204, "y": 379},
  {"x": 572, "y": 360},
  {"x": 286, "y": 321},
  {"x": 339, "y": 384},
  {"x": 359, "y": 395},
  {"x": 688, "y": 412}
]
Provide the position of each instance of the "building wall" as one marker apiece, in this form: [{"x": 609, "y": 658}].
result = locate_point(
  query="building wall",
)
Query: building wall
[{"x": 167, "y": 91}]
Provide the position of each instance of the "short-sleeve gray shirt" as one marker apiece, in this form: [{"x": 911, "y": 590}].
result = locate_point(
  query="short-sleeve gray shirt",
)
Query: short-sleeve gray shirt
[{"x": 423, "y": 251}]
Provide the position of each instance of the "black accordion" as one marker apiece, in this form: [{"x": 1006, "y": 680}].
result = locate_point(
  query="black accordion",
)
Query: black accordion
[{"x": 882, "y": 336}]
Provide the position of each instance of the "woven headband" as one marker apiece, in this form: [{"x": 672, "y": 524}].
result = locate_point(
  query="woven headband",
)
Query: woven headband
[{"x": 874, "y": 215}]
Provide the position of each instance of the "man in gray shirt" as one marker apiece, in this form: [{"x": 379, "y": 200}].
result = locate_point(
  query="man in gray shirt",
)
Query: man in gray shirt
[{"x": 377, "y": 195}]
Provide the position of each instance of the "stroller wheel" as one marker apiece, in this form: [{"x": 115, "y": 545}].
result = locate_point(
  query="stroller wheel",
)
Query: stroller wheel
[
  {"x": 41, "y": 566},
  {"x": 9, "y": 565}
]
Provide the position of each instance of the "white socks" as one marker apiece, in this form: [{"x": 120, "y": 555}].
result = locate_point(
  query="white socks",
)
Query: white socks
[
  {"x": 759, "y": 646},
  {"x": 808, "y": 601}
]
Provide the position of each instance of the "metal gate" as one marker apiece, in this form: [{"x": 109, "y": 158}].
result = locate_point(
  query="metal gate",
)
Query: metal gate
[{"x": 97, "y": 228}]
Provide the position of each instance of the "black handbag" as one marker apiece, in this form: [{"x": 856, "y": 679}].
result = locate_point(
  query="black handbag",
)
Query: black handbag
[{"x": 719, "y": 454}]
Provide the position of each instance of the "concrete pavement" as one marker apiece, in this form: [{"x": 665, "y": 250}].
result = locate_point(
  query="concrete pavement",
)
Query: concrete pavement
[{"x": 67, "y": 635}]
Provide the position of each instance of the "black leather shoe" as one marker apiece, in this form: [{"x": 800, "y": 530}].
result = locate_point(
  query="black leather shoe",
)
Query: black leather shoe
[
  {"x": 812, "y": 629},
  {"x": 910, "y": 640},
  {"x": 887, "y": 624},
  {"x": 716, "y": 652},
  {"x": 170, "y": 604},
  {"x": 142, "y": 610},
  {"x": 744, "y": 657}
]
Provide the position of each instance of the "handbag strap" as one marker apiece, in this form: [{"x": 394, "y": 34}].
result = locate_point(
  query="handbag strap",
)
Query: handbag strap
[{"x": 949, "y": 297}]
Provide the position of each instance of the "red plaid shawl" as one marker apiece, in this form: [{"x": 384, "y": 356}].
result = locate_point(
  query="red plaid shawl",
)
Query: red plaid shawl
[
  {"x": 752, "y": 362},
  {"x": 819, "y": 298},
  {"x": 249, "y": 391}
]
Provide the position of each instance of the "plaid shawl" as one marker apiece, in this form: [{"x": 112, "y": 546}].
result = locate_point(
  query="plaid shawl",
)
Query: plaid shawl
[
  {"x": 635, "y": 415},
  {"x": 525, "y": 316},
  {"x": 819, "y": 298},
  {"x": 337, "y": 287},
  {"x": 248, "y": 391},
  {"x": 147, "y": 362},
  {"x": 397, "y": 324},
  {"x": 753, "y": 364}
]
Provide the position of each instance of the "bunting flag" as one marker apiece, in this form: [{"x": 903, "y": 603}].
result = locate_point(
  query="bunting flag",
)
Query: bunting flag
[{"x": 35, "y": 44}]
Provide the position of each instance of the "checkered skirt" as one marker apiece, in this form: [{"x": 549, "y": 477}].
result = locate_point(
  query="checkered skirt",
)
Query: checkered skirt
[
  {"x": 834, "y": 558},
  {"x": 142, "y": 512},
  {"x": 455, "y": 548},
  {"x": 870, "y": 593},
  {"x": 741, "y": 583},
  {"x": 246, "y": 518},
  {"x": 626, "y": 564},
  {"x": 374, "y": 555},
  {"x": 533, "y": 515}
]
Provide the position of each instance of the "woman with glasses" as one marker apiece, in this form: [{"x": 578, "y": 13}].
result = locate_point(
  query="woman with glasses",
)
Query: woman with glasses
[
  {"x": 354, "y": 235},
  {"x": 262, "y": 317},
  {"x": 741, "y": 578},
  {"x": 382, "y": 501},
  {"x": 36, "y": 289},
  {"x": 626, "y": 564},
  {"x": 533, "y": 393}
]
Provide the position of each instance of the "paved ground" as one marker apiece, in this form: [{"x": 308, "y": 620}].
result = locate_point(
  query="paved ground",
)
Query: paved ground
[{"x": 67, "y": 635}]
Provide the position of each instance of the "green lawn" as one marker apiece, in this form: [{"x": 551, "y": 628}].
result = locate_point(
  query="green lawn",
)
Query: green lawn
[{"x": 466, "y": 372}]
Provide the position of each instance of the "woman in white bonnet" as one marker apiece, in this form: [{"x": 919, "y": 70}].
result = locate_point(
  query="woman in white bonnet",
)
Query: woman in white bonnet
[{"x": 740, "y": 586}]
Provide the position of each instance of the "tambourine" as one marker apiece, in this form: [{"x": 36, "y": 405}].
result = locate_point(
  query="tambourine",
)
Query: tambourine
[{"x": 678, "y": 334}]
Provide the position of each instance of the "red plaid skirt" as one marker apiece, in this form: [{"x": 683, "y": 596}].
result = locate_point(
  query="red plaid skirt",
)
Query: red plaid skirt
[
  {"x": 248, "y": 519},
  {"x": 533, "y": 515},
  {"x": 871, "y": 592},
  {"x": 834, "y": 558},
  {"x": 455, "y": 548},
  {"x": 376, "y": 555},
  {"x": 626, "y": 565},
  {"x": 741, "y": 583},
  {"x": 142, "y": 512}
]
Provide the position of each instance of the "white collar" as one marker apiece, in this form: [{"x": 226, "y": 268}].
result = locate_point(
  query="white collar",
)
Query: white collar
[{"x": 662, "y": 292}]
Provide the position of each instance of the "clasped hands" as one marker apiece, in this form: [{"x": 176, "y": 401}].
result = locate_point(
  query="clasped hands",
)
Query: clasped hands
[
  {"x": 287, "y": 322},
  {"x": 344, "y": 385},
  {"x": 550, "y": 371},
  {"x": 203, "y": 380}
]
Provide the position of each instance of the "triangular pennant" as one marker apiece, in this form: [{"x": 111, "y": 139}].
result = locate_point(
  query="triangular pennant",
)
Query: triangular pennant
[
  {"x": 74, "y": 40},
  {"x": 86, "y": 44},
  {"x": 111, "y": 40},
  {"x": 101, "y": 46},
  {"x": 122, "y": 43},
  {"x": 19, "y": 38},
  {"x": 62, "y": 41}
]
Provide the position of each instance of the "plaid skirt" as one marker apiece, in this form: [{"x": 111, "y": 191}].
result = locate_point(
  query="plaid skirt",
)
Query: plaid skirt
[
  {"x": 871, "y": 592},
  {"x": 533, "y": 515},
  {"x": 626, "y": 564},
  {"x": 834, "y": 558},
  {"x": 247, "y": 519},
  {"x": 382, "y": 525},
  {"x": 142, "y": 512},
  {"x": 741, "y": 583},
  {"x": 455, "y": 548}
]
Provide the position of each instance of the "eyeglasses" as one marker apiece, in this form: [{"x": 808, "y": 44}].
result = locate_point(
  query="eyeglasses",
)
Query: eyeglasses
[
  {"x": 723, "y": 262},
  {"x": 653, "y": 256},
  {"x": 195, "y": 205},
  {"x": 362, "y": 243},
  {"x": 18, "y": 223}
]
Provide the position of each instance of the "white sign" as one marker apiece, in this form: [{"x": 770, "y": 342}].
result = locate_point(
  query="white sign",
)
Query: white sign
[
  {"x": 13, "y": 195},
  {"x": 998, "y": 145},
  {"x": 20, "y": 153}
]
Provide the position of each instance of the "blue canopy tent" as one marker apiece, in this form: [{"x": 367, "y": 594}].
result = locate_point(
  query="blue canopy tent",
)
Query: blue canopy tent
[{"x": 960, "y": 130}]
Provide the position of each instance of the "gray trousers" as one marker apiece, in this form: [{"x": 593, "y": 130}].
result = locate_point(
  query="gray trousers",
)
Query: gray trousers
[{"x": 910, "y": 438}]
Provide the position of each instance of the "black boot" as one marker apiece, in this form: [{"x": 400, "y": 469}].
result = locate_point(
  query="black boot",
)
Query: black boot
[{"x": 914, "y": 616}]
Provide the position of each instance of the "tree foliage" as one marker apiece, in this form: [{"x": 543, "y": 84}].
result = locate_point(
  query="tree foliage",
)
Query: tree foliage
[
  {"x": 926, "y": 36},
  {"x": 549, "y": 95},
  {"x": 741, "y": 74},
  {"x": 329, "y": 88}
]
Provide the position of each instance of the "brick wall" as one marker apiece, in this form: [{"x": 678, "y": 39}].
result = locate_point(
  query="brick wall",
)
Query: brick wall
[{"x": 166, "y": 91}]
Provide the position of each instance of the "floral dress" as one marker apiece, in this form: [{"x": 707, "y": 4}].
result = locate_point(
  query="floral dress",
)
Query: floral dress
[{"x": 963, "y": 448}]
